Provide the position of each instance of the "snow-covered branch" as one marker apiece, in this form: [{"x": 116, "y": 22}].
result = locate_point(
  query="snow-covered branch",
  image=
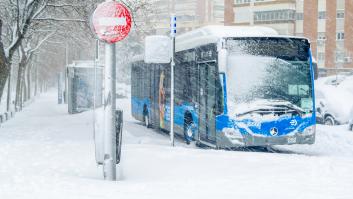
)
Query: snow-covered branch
[
  {"x": 64, "y": 5},
  {"x": 41, "y": 42},
  {"x": 58, "y": 19}
]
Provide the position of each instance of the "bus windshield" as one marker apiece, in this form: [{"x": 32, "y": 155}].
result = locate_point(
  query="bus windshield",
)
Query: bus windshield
[{"x": 264, "y": 74}]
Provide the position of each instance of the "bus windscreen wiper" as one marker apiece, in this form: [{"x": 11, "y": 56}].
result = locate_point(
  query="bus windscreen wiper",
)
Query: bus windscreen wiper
[{"x": 275, "y": 107}]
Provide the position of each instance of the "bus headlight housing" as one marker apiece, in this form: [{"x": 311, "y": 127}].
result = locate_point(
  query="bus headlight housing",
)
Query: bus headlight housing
[
  {"x": 232, "y": 133},
  {"x": 309, "y": 130}
]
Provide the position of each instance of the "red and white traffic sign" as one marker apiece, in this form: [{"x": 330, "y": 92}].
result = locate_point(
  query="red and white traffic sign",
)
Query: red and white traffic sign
[{"x": 111, "y": 21}]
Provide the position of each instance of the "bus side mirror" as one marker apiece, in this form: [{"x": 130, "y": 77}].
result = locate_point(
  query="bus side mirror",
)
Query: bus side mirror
[{"x": 316, "y": 71}]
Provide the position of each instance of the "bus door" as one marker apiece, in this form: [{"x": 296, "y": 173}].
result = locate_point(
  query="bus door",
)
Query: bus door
[{"x": 207, "y": 102}]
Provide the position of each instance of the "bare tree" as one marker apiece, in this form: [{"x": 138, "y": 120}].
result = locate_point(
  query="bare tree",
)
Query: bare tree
[
  {"x": 23, "y": 22},
  {"x": 27, "y": 49},
  {"x": 19, "y": 16}
]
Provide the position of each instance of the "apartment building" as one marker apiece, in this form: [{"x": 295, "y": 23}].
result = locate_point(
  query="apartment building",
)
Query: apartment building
[
  {"x": 277, "y": 14},
  {"x": 327, "y": 23},
  {"x": 190, "y": 14}
]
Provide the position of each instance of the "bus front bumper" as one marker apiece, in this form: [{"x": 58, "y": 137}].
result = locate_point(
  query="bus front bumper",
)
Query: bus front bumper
[{"x": 226, "y": 141}]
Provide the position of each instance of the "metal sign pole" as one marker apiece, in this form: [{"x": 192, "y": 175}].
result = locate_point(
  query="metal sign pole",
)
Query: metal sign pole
[
  {"x": 172, "y": 34},
  {"x": 109, "y": 164},
  {"x": 111, "y": 22},
  {"x": 66, "y": 96},
  {"x": 95, "y": 88}
]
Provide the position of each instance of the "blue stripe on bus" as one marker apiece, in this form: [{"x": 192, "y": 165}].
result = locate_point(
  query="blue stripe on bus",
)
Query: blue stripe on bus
[
  {"x": 313, "y": 84},
  {"x": 179, "y": 111},
  {"x": 284, "y": 124},
  {"x": 137, "y": 105}
]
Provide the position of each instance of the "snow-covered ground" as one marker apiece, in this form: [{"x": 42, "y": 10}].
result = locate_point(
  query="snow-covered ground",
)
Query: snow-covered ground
[{"x": 46, "y": 153}]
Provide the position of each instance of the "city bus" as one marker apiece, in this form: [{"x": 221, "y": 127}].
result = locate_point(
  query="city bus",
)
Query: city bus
[{"x": 234, "y": 87}]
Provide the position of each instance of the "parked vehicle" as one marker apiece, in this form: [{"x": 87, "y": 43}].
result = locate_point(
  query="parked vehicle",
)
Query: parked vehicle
[
  {"x": 233, "y": 89},
  {"x": 350, "y": 124},
  {"x": 334, "y": 100}
]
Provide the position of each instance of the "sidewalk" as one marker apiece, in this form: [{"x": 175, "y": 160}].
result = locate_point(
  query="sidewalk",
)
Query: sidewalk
[
  {"x": 43, "y": 150},
  {"x": 47, "y": 154}
]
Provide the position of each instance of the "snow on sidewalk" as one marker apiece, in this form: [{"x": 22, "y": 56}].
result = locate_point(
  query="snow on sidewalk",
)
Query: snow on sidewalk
[{"x": 46, "y": 153}]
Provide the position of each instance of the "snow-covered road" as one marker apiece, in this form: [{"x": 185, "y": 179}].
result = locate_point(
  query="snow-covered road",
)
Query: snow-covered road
[{"x": 46, "y": 153}]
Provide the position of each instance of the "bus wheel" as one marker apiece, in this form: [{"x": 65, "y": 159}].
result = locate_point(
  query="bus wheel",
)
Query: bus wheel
[{"x": 188, "y": 132}]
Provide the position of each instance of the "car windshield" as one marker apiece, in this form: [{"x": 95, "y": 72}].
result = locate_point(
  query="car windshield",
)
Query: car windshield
[{"x": 269, "y": 72}]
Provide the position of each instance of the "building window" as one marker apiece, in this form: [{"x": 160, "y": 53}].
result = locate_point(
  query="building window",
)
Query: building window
[
  {"x": 322, "y": 15},
  {"x": 340, "y": 36},
  {"x": 242, "y": 1},
  {"x": 300, "y": 16},
  {"x": 247, "y": 1},
  {"x": 340, "y": 57},
  {"x": 274, "y": 15},
  {"x": 321, "y": 36},
  {"x": 321, "y": 56},
  {"x": 340, "y": 14}
]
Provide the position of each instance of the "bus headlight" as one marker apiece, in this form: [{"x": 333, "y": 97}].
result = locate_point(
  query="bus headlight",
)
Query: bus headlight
[
  {"x": 232, "y": 133},
  {"x": 309, "y": 130}
]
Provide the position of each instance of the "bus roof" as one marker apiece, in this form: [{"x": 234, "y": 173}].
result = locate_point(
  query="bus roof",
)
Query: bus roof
[
  {"x": 212, "y": 34},
  {"x": 83, "y": 64},
  {"x": 229, "y": 31}
]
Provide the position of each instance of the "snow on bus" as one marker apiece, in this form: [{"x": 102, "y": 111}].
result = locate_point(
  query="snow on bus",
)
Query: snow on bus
[{"x": 234, "y": 86}]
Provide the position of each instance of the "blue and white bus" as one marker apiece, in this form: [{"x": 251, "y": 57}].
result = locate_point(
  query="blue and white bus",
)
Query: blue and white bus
[{"x": 234, "y": 87}]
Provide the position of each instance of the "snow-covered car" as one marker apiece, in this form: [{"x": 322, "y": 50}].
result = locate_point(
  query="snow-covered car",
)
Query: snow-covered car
[
  {"x": 350, "y": 124},
  {"x": 347, "y": 84},
  {"x": 334, "y": 100},
  {"x": 333, "y": 80}
]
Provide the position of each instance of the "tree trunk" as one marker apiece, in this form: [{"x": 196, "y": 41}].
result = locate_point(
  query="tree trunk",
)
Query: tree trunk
[
  {"x": 18, "y": 87},
  {"x": 19, "y": 84},
  {"x": 23, "y": 93},
  {"x": 29, "y": 72},
  {"x": 9, "y": 93},
  {"x": 36, "y": 81},
  {"x": 25, "y": 85},
  {"x": 4, "y": 74},
  {"x": 4, "y": 65}
]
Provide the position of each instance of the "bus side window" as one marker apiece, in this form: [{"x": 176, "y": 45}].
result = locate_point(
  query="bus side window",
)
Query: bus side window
[
  {"x": 187, "y": 91},
  {"x": 220, "y": 95},
  {"x": 178, "y": 79}
]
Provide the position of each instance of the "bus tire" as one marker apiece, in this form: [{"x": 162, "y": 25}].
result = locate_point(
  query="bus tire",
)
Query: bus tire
[{"x": 188, "y": 128}]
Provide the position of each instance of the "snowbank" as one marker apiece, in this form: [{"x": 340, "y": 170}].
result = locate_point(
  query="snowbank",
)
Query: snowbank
[
  {"x": 46, "y": 153},
  {"x": 334, "y": 141}
]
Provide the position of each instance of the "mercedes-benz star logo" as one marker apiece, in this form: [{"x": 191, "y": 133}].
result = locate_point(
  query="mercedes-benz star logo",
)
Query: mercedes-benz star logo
[{"x": 274, "y": 131}]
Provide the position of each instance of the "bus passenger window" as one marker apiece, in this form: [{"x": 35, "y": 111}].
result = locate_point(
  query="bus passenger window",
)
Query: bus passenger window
[{"x": 220, "y": 96}]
